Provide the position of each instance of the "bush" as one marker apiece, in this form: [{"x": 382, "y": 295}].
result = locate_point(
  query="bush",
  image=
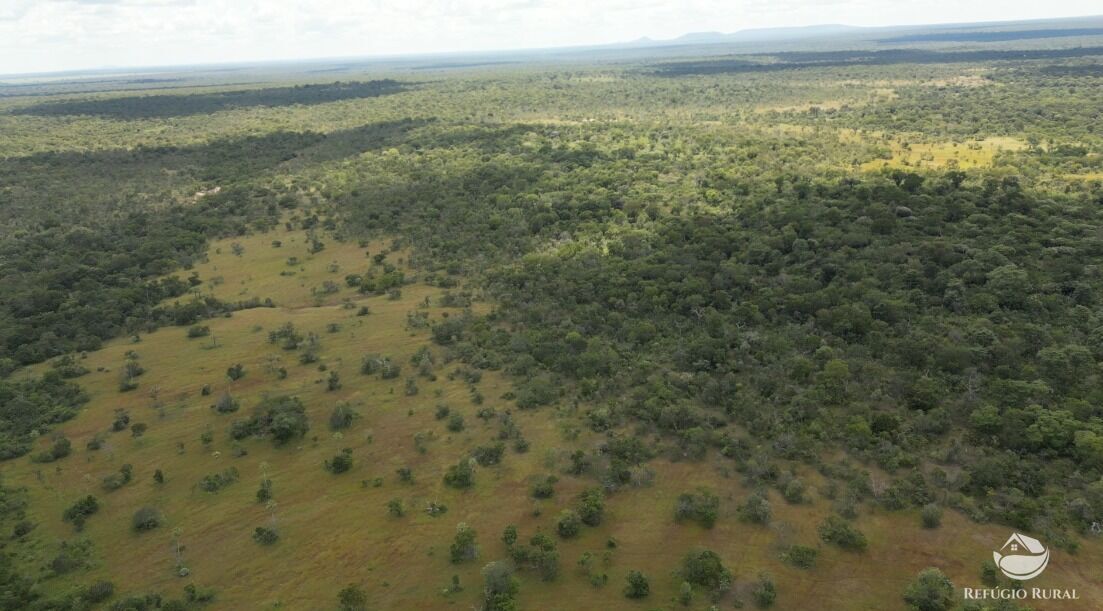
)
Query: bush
[
  {"x": 800, "y": 556},
  {"x": 569, "y": 525},
  {"x": 281, "y": 417},
  {"x": 226, "y": 404},
  {"x": 701, "y": 506},
  {"x": 931, "y": 516},
  {"x": 756, "y": 509},
  {"x": 460, "y": 475},
  {"x": 264, "y": 493},
  {"x": 703, "y": 567},
  {"x": 395, "y": 508},
  {"x": 463, "y": 546},
  {"x": 340, "y": 463},
  {"x": 455, "y": 423},
  {"x": 489, "y": 455},
  {"x": 146, "y": 519},
  {"x": 217, "y": 481},
  {"x": 764, "y": 592},
  {"x": 265, "y": 536},
  {"x": 61, "y": 448},
  {"x": 842, "y": 533},
  {"x": 235, "y": 371},
  {"x": 544, "y": 488},
  {"x": 591, "y": 506},
  {"x": 931, "y": 591},
  {"x": 500, "y": 587},
  {"x": 509, "y": 535},
  {"x": 99, "y": 591},
  {"x": 352, "y": 598},
  {"x": 342, "y": 417},
  {"x": 79, "y": 511},
  {"x": 638, "y": 586}
]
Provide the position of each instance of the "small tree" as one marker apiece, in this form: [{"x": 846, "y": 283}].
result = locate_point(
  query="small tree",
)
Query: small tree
[
  {"x": 591, "y": 506},
  {"x": 226, "y": 404},
  {"x": 341, "y": 462},
  {"x": 638, "y": 586},
  {"x": 395, "y": 508},
  {"x": 569, "y": 525},
  {"x": 460, "y": 475},
  {"x": 146, "y": 519},
  {"x": 931, "y": 591},
  {"x": 235, "y": 371},
  {"x": 756, "y": 509},
  {"x": 265, "y": 536},
  {"x": 500, "y": 587},
  {"x": 509, "y": 535},
  {"x": 463, "y": 546},
  {"x": 931, "y": 516},
  {"x": 764, "y": 592},
  {"x": 352, "y": 598}
]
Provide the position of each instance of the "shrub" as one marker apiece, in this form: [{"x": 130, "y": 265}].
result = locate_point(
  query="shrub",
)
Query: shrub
[
  {"x": 460, "y": 475},
  {"x": 455, "y": 423},
  {"x": 340, "y": 463},
  {"x": 499, "y": 587},
  {"x": 463, "y": 546},
  {"x": 931, "y": 591},
  {"x": 61, "y": 448},
  {"x": 756, "y": 509},
  {"x": 99, "y": 591},
  {"x": 235, "y": 371},
  {"x": 638, "y": 585},
  {"x": 509, "y": 535},
  {"x": 342, "y": 417},
  {"x": 569, "y": 525},
  {"x": 214, "y": 482},
  {"x": 489, "y": 455},
  {"x": 800, "y": 556},
  {"x": 198, "y": 331},
  {"x": 226, "y": 404},
  {"x": 265, "y": 536},
  {"x": 352, "y": 598},
  {"x": 264, "y": 493},
  {"x": 842, "y": 533},
  {"x": 395, "y": 508},
  {"x": 591, "y": 506},
  {"x": 281, "y": 417},
  {"x": 931, "y": 516},
  {"x": 764, "y": 591},
  {"x": 146, "y": 519},
  {"x": 701, "y": 506},
  {"x": 544, "y": 488},
  {"x": 79, "y": 511},
  {"x": 704, "y": 568}
]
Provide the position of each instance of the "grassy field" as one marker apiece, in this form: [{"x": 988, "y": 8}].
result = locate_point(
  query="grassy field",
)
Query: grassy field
[{"x": 336, "y": 530}]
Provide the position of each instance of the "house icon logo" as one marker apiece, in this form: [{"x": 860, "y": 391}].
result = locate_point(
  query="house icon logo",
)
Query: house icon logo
[{"x": 1022, "y": 557}]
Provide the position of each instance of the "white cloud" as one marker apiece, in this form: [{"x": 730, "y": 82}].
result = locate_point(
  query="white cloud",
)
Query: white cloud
[{"x": 66, "y": 34}]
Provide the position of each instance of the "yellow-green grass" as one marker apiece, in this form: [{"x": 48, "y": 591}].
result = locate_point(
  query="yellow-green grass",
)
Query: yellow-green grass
[
  {"x": 943, "y": 155},
  {"x": 335, "y": 530}
]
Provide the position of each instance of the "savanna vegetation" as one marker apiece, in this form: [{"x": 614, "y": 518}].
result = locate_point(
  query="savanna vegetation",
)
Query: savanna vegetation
[{"x": 674, "y": 331}]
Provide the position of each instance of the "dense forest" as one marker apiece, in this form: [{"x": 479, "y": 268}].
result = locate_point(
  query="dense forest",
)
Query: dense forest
[{"x": 734, "y": 262}]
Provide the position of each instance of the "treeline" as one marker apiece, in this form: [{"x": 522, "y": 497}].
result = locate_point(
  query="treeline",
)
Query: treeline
[{"x": 175, "y": 105}]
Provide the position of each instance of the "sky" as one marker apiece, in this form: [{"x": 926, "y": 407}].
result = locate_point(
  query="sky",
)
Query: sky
[{"x": 52, "y": 35}]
